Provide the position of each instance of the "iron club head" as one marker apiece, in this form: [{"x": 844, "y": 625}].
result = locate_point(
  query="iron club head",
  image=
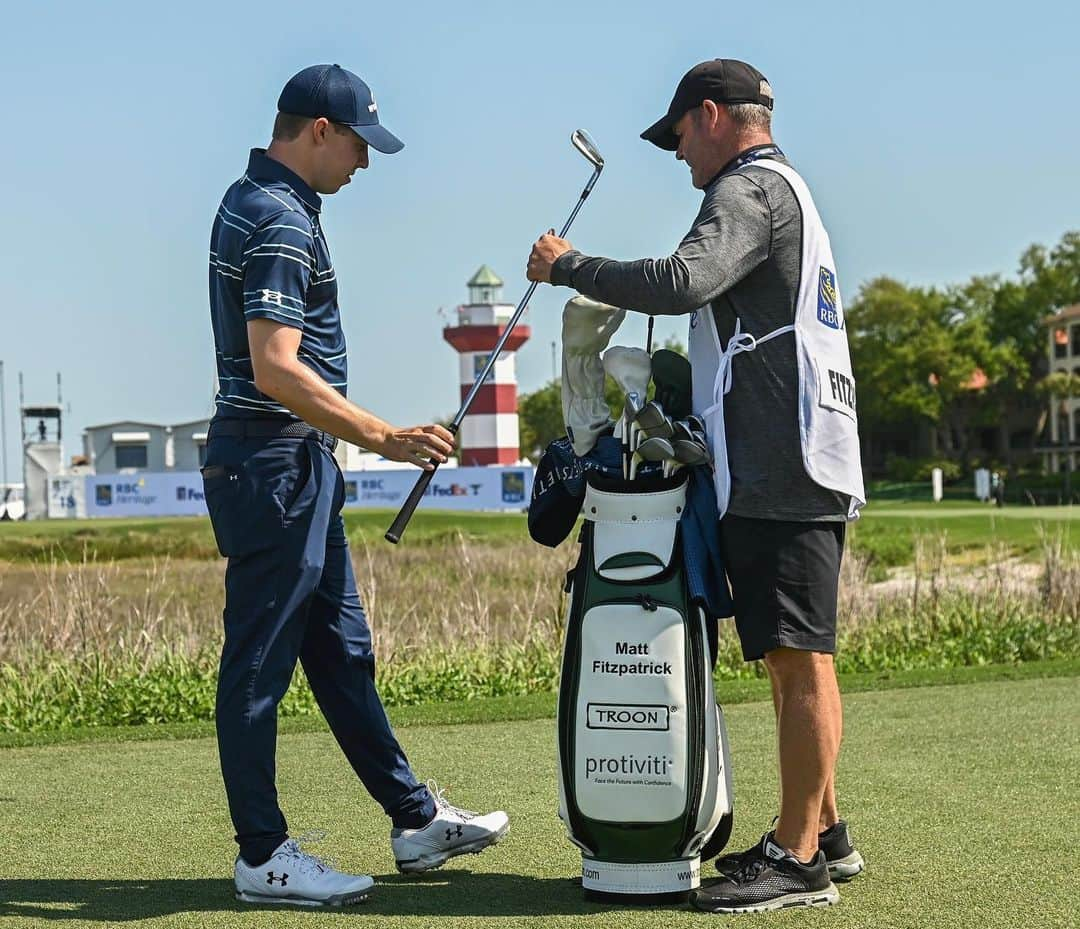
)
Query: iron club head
[
  {"x": 655, "y": 449},
  {"x": 690, "y": 452},
  {"x": 582, "y": 141},
  {"x": 681, "y": 430},
  {"x": 653, "y": 422}
]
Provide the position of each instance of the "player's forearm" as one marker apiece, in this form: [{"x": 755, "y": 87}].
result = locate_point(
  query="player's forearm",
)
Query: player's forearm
[{"x": 301, "y": 390}]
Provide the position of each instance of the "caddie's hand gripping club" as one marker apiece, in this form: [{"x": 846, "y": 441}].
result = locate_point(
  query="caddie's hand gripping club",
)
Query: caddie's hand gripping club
[{"x": 585, "y": 145}]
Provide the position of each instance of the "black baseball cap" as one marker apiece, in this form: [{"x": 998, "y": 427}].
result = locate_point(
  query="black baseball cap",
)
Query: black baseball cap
[
  {"x": 722, "y": 80},
  {"x": 341, "y": 97}
]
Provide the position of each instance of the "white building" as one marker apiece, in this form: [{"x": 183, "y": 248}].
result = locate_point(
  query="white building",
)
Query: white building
[
  {"x": 1064, "y": 347},
  {"x": 132, "y": 446}
]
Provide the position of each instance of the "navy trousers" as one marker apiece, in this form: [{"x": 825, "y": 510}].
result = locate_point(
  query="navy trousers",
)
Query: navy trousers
[{"x": 290, "y": 593}]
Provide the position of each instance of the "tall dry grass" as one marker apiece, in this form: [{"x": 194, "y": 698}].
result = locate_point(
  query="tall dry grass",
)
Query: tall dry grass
[
  {"x": 124, "y": 643},
  {"x": 470, "y": 595}
]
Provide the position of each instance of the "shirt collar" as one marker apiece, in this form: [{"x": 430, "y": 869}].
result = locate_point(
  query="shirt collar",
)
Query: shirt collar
[
  {"x": 261, "y": 165},
  {"x": 746, "y": 156}
]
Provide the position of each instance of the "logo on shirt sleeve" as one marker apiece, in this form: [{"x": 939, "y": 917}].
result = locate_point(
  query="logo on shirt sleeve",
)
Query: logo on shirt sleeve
[{"x": 827, "y": 312}]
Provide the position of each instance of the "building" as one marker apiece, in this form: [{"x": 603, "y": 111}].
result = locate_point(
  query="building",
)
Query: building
[
  {"x": 1063, "y": 454},
  {"x": 132, "y": 446},
  {"x": 188, "y": 445},
  {"x": 489, "y": 433}
]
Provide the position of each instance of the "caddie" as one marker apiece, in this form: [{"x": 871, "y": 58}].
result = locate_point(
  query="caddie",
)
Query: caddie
[
  {"x": 772, "y": 379},
  {"x": 275, "y": 493}
]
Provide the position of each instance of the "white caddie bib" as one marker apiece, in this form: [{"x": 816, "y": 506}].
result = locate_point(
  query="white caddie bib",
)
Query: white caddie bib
[{"x": 828, "y": 426}]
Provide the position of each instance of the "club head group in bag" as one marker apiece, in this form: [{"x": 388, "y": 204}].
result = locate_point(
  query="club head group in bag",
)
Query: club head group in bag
[{"x": 646, "y": 428}]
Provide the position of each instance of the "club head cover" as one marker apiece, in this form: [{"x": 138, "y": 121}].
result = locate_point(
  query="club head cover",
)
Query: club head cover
[
  {"x": 587, "y": 327},
  {"x": 671, "y": 376}
]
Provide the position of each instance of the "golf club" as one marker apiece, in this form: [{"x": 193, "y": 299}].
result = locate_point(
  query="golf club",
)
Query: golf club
[
  {"x": 656, "y": 449},
  {"x": 585, "y": 145},
  {"x": 689, "y": 453},
  {"x": 631, "y": 407},
  {"x": 681, "y": 430},
  {"x": 630, "y": 368},
  {"x": 654, "y": 422}
]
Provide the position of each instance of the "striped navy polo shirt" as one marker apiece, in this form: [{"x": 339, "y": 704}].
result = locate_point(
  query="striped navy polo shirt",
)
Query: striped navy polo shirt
[{"x": 269, "y": 260}]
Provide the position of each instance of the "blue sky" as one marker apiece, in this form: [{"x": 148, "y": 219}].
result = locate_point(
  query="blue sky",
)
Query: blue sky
[{"x": 939, "y": 139}]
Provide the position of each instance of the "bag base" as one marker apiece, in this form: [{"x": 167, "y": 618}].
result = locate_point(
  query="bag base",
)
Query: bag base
[{"x": 636, "y": 878}]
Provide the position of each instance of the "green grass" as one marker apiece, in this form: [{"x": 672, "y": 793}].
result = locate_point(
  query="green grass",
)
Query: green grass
[
  {"x": 542, "y": 705},
  {"x": 887, "y": 531},
  {"x": 191, "y": 537},
  {"x": 940, "y": 785}
]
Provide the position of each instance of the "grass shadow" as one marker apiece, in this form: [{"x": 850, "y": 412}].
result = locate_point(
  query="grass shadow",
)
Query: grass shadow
[{"x": 446, "y": 893}]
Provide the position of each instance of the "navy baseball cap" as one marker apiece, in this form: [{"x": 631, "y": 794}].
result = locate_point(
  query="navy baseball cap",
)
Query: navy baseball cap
[
  {"x": 722, "y": 80},
  {"x": 341, "y": 97}
]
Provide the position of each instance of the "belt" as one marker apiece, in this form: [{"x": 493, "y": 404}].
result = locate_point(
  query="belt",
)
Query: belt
[{"x": 255, "y": 428}]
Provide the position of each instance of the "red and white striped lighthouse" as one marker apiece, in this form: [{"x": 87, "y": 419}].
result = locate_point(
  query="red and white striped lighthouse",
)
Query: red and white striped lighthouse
[{"x": 489, "y": 433}]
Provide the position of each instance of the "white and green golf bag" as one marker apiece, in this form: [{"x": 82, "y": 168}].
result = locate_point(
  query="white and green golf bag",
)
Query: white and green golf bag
[{"x": 644, "y": 773}]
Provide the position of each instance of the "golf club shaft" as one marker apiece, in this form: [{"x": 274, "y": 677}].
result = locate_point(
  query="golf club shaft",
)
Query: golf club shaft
[{"x": 393, "y": 534}]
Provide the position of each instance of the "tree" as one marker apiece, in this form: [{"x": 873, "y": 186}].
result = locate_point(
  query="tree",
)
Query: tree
[
  {"x": 1048, "y": 280},
  {"x": 919, "y": 355},
  {"x": 540, "y": 418}
]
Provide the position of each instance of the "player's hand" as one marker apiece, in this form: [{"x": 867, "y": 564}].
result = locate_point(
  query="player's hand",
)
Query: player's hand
[
  {"x": 544, "y": 253},
  {"x": 419, "y": 445}
]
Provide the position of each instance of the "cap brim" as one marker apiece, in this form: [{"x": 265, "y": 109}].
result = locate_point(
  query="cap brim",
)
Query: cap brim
[
  {"x": 661, "y": 135},
  {"x": 379, "y": 139}
]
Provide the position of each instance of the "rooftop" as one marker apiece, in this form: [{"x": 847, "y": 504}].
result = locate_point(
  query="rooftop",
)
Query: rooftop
[
  {"x": 485, "y": 277},
  {"x": 1065, "y": 315}
]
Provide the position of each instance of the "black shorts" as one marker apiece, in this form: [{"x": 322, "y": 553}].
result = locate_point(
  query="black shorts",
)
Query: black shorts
[{"x": 783, "y": 578}]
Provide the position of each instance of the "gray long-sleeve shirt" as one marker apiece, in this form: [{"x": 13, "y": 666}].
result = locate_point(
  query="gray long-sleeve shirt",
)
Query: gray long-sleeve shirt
[{"x": 743, "y": 257}]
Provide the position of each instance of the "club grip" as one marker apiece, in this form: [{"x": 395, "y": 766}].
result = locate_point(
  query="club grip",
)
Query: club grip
[{"x": 394, "y": 533}]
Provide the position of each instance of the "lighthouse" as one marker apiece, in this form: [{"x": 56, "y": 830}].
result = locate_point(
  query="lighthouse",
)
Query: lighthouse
[{"x": 489, "y": 433}]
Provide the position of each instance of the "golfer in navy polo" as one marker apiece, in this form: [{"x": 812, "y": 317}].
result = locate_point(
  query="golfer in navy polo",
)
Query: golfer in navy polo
[{"x": 275, "y": 494}]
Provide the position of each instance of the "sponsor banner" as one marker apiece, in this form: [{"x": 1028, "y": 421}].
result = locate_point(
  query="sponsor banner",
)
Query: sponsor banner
[
  {"x": 452, "y": 489},
  {"x": 180, "y": 493},
  {"x": 66, "y": 497}
]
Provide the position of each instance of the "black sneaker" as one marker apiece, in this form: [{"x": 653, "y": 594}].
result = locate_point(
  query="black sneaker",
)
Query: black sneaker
[
  {"x": 841, "y": 857},
  {"x": 768, "y": 879}
]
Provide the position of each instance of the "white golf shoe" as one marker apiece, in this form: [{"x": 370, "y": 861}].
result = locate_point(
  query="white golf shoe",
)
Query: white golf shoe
[
  {"x": 452, "y": 832},
  {"x": 298, "y": 878}
]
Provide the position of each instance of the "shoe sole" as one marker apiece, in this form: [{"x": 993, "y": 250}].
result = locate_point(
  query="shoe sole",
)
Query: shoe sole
[
  {"x": 844, "y": 869},
  {"x": 817, "y": 899},
  {"x": 431, "y": 862},
  {"x": 337, "y": 900}
]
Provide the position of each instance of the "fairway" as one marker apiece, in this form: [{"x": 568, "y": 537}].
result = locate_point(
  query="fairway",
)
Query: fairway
[{"x": 942, "y": 786}]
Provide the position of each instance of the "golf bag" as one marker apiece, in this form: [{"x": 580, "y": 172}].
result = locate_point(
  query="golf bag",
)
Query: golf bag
[{"x": 644, "y": 772}]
